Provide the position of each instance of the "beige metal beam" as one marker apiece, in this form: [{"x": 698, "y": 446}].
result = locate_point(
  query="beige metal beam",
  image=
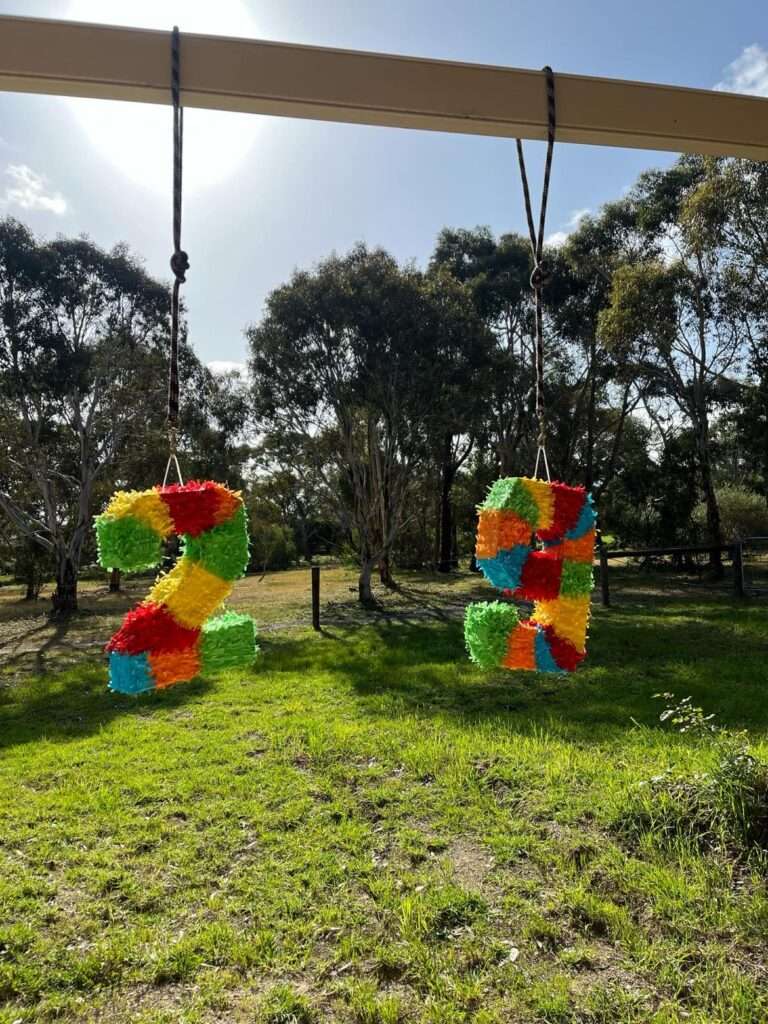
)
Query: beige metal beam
[{"x": 108, "y": 62}]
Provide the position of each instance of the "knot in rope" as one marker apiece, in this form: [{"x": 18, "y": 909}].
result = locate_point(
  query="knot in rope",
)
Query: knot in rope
[
  {"x": 179, "y": 259},
  {"x": 180, "y": 265},
  {"x": 541, "y": 275}
]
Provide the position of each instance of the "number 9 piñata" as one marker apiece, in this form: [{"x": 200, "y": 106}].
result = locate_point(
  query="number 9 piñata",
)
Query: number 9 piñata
[
  {"x": 556, "y": 577},
  {"x": 170, "y": 638}
]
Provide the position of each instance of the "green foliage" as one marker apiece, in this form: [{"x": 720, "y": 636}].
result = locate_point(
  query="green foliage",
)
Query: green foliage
[
  {"x": 743, "y": 512},
  {"x": 83, "y": 365},
  {"x": 272, "y": 545}
]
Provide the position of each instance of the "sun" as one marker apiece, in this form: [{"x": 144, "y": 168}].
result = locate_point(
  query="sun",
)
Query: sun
[{"x": 136, "y": 137}]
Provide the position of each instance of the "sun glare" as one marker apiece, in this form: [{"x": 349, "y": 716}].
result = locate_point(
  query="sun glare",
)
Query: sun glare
[{"x": 136, "y": 137}]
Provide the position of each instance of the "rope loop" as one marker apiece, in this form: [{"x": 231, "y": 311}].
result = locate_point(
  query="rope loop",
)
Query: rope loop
[
  {"x": 179, "y": 259},
  {"x": 541, "y": 274}
]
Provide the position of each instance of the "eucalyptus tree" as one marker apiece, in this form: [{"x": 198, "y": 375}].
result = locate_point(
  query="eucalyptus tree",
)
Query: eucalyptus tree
[
  {"x": 733, "y": 198},
  {"x": 673, "y": 311},
  {"x": 607, "y": 389},
  {"x": 345, "y": 352},
  {"x": 80, "y": 335},
  {"x": 461, "y": 346},
  {"x": 497, "y": 274}
]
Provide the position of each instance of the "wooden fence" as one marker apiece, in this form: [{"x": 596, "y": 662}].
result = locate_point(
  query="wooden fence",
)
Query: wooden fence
[{"x": 734, "y": 551}]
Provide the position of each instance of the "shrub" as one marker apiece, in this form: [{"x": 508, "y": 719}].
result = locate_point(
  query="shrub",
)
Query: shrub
[
  {"x": 743, "y": 513},
  {"x": 724, "y": 809},
  {"x": 272, "y": 545}
]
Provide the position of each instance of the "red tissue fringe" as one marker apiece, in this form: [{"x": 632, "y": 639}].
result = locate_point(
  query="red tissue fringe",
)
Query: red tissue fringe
[
  {"x": 198, "y": 505},
  {"x": 151, "y": 627},
  {"x": 569, "y": 502}
]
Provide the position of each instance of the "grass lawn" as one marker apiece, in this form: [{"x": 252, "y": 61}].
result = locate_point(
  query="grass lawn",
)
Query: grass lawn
[{"x": 366, "y": 828}]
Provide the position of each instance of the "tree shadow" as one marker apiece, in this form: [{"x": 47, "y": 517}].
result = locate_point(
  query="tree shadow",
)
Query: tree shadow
[
  {"x": 633, "y": 653},
  {"x": 76, "y": 704}
]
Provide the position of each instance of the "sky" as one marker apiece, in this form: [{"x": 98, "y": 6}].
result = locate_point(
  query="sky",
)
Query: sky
[{"x": 264, "y": 195}]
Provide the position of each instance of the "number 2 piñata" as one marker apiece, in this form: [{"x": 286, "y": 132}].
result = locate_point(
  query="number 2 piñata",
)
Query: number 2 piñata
[
  {"x": 556, "y": 576},
  {"x": 169, "y": 637}
]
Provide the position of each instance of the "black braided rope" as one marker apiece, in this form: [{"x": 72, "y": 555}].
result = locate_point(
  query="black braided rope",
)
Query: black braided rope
[
  {"x": 179, "y": 259},
  {"x": 540, "y": 275}
]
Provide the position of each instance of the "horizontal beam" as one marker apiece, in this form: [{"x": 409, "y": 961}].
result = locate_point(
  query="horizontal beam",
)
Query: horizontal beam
[
  {"x": 697, "y": 549},
  {"x": 113, "y": 63}
]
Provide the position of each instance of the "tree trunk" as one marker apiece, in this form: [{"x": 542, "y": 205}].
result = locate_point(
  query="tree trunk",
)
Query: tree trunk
[
  {"x": 114, "y": 581},
  {"x": 364, "y": 591},
  {"x": 445, "y": 564},
  {"x": 445, "y": 560},
  {"x": 304, "y": 544},
  {"x": 589, "y": 468},
  {"x": 29, "y": 568},
  {"x": 714, "y": 524},
  {"x": 385, "y": 571},
  {"x": 64, "y": 599},
  {"x": 32, "y": 575}
]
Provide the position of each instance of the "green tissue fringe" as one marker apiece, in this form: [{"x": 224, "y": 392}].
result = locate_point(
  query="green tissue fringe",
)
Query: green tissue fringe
[
  {"x": 486, "y": 628},
  {"x": 576, "y": 579},
  {"x": 228, "y": 641},
  {"x": 511, "y": 494},
  {"x": 223, "y": 550},
  {"x": 126, "y": 543}
]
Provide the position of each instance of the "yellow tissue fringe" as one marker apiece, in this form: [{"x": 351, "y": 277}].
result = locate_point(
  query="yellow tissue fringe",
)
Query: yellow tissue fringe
[
  {"x": 146, "y": 506},
  {"x": 190, "y": 593},
  {"x": 542, "y": 493},
  {"x": 569, "y": 616}
]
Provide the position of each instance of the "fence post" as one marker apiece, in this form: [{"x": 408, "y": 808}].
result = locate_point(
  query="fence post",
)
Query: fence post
[
  {"x": 604, "y": 576},
  {"x": 316, "y": 597},
  {"x": 738, "y": 568}
]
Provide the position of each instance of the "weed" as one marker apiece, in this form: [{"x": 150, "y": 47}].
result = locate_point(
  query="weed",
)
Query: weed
[{"x": 724, "y": 808}]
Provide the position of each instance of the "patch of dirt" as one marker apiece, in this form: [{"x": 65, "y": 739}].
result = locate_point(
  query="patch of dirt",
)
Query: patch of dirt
[
  {"x": 129, "y": 1003},
  {"x": 471, "y": 863},
  {"x": 602, "y": 968}
]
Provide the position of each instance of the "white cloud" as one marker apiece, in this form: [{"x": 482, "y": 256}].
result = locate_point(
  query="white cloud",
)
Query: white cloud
[
  {"x": 748, "y": 73},
  {"x": 29, "y": 191},
  {"x": 558, "y": 238},
  {"x": 220, "y": 366},
  {"x": 577, "y": 216}
]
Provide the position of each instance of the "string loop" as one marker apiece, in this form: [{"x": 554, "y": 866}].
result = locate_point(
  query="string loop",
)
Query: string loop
[{"x": 541, "y": 274}]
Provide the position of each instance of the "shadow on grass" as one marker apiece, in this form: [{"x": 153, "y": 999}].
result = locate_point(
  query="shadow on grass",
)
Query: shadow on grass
[
  {"x": 634, "y": 652},
  {"x": 75, "y": 704},
  {"x": 716, "y": 652}
]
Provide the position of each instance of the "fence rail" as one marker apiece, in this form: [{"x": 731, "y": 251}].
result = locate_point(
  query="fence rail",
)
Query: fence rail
[{"x": 734, "y": 550}]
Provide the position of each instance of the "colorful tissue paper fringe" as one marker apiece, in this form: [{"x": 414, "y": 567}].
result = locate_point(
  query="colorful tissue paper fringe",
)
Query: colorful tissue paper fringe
[
  {"x": 557, "y": 577},
  {"x": 170, "y": 638}
]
